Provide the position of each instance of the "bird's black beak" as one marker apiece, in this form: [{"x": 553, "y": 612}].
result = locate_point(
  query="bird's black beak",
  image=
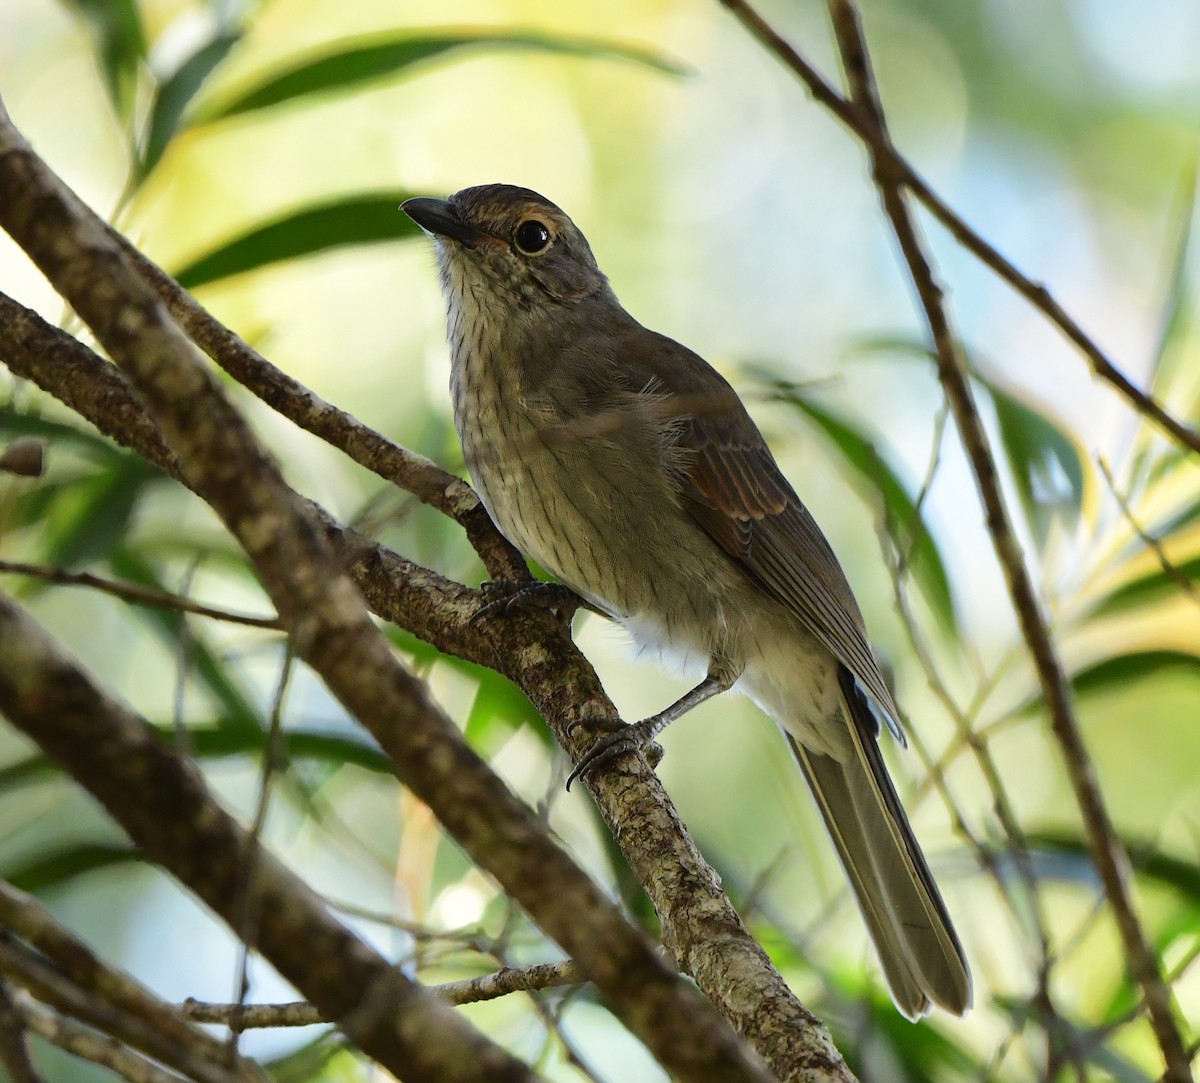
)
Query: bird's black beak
[{"x": 437, "y": 216}]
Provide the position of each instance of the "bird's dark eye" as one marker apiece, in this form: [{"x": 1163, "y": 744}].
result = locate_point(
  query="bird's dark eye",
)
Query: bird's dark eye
[{"x": 532, "y": 236}]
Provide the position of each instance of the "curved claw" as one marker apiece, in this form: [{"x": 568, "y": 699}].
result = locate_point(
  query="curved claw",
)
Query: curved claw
[
  {"x": 512, "y": 596},
  {"x": 635, "y": 738}
]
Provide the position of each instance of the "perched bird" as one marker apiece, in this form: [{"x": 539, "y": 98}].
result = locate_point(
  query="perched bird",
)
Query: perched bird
[{"x": 625, "y": 465}]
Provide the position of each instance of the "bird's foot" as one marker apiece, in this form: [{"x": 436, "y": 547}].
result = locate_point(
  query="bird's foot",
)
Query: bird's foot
[
  {"x": 638, "y": 737},
  {"x": 503, "y": 597}
]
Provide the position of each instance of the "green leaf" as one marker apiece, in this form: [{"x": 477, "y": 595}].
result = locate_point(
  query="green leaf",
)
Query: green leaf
[
  {"x": 96, "y": 512},
  {"x": 1047, "y": 465},
  {"x": 1177, "y": 307},
  {"x": 1123, "y": 669},
  {"x": 861, "y": 455},
  {"x": 120, "y": 44},
  {"x": 369, "y": 218},
  {"x": 1151, "y": 588},
  {"x": 49, "y": 870},
  {"x": 172, "y": 96},
  {"x": 366, "y": 59},
  {"x": 224, "y": 739},
  {"x": 500, "y": 708}
]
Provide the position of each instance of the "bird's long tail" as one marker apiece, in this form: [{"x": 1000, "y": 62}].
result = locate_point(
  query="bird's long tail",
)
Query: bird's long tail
[{"x": 921, "y": 954}]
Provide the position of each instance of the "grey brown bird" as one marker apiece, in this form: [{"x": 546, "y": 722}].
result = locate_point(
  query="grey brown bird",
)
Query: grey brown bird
[{"x": 628, "y": 467}]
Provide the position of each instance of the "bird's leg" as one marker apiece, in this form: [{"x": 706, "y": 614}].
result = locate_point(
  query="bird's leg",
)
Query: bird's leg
[
  {"x": 637, "y": 737},
  {"x": 505, "y": 596}
]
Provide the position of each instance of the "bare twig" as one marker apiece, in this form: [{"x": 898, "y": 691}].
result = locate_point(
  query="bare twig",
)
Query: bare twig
[
  {"x": 1175, "y": 574},
  {"x": 132, "y": 592},
  {"x": 300, "y": 1014},
  {"x": 1107, "y": 850},
  {"x": 863, "y": 123}
]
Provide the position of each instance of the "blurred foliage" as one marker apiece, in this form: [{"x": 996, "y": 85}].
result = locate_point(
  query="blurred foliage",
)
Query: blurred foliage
[{"x": 256, "y": 149}]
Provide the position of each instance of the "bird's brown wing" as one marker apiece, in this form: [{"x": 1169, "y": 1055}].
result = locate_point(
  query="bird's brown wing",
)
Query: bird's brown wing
[{"x": 735, "y": 490}]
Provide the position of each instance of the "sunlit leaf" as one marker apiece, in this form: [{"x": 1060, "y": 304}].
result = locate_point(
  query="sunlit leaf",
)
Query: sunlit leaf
[
  {"x": 861, "y": 455},
  {"x": 499, "y": 709},
  {"x": 120, "y": 45},
  {"x": 1123, "y": 669},
  {"x": 367, "y": 218},
  {"x": 172, "y": 96},
  {"x": 377, "y": 57},
  {"x": 1178, "y": 304},
  {"x": 1153, "y": 587}
]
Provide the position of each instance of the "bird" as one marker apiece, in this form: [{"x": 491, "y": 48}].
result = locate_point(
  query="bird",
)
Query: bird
[{"x": 627, "y": 467}]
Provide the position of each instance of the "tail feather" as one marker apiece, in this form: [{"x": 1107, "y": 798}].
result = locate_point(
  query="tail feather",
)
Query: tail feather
[{"x": 920, "y": 952}]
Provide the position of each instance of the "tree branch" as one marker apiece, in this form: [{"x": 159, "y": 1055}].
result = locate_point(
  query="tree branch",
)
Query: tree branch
[
  {"x": 133, "y": 592},
  {"x": 861, "y": 121},
  {"x": 502, "y": 982},
  {"x": 1111, "y": 858}
]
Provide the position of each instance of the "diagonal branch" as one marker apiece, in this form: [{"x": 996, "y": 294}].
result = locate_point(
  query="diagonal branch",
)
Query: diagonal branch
[
  {"x": 863, "y": 123},
  {"x": 1108, "y": 852}
]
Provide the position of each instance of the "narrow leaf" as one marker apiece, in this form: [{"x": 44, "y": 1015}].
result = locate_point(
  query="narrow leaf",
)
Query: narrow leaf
[
  {"x": 861, "y": 455},
  {"x": 49, "y": 870},
  {"x": 369, "y": 218},
  {"x": 366, "y": 59},
  {"x": 120, "y": 45},
  {"x": 172, "y": 96},
  {"x": 1047, "y": 465}
]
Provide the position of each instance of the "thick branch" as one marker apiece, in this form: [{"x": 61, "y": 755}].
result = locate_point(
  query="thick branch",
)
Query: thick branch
[
  {"x": 862, "y": 122},
  {"x": 1108, "y": 852},
  {"x": 333, "y": 633}
]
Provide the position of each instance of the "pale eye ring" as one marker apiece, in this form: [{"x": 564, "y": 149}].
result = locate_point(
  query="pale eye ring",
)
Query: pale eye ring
[{"x": 532, "y": 236}]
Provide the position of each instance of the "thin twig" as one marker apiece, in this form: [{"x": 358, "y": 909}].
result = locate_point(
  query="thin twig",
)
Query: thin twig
[
  {"x": 273, "y": 761},
  {"x": 1175, "y": 574},
  {"x": 300, "y": 1014},
  {"x": 27, "y": 969},
  {"x": 861, "y": 121},
  {"x": 133, "y": 592},
  {"x": 1107, "y": 849}
]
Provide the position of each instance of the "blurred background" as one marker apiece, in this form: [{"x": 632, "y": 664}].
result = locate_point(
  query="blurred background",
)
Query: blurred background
[{"x": 258, "y": 151}]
